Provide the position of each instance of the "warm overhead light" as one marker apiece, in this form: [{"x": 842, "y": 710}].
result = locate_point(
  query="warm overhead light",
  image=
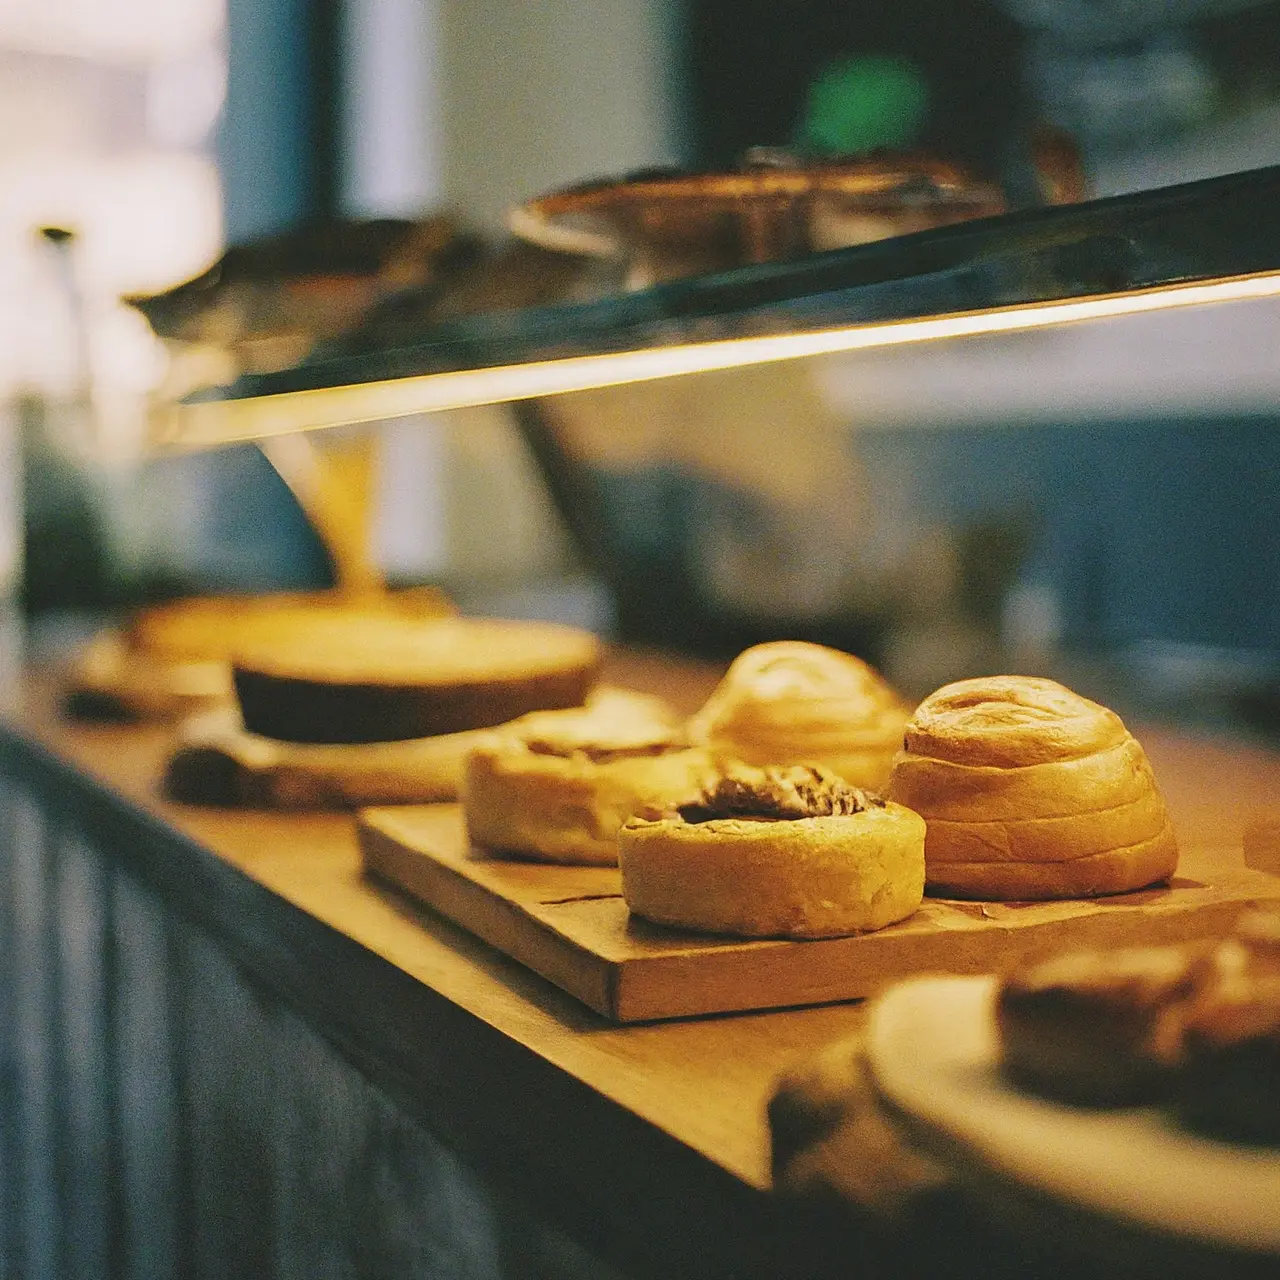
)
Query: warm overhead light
[{"x": 226, "y": 421}]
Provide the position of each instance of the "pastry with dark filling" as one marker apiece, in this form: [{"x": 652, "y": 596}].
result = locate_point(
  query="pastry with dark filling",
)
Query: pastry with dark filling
[
  {"x": 792, "y": 852},
  {"x": 557, "y": 786}
]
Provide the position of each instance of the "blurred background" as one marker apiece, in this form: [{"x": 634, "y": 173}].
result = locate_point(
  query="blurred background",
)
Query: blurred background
[{"x": 1098, "y": 498}]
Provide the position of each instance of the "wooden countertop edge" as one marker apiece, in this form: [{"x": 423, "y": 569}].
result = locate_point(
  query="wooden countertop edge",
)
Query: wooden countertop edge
[{"x": 501, "y": 1072}]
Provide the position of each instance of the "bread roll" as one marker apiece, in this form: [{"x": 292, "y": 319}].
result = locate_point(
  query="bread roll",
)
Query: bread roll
[
  {"x": 386, "y": 678},
  {"x": 557, "y": 786},
  {"x": 1030, "y": 791},
  {"x": 790, "y": 702},
  {"x": 776, "y": 852}
]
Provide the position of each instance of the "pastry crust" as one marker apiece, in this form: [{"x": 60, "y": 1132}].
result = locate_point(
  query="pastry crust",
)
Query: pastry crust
[
  {"x": 557, "y": 786},
  {"x": 212, "y": 628},
  {"x": 1031, "y": 791},
  {"x": 791, "y": 702},
  {"x": 817, "y": 876},
  {"x": 1112, "y": 871},
  {"x": 379, "y": 679}
]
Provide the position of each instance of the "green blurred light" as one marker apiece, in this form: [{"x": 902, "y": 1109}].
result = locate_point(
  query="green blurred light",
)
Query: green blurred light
[{"x": 863, "y": 103}]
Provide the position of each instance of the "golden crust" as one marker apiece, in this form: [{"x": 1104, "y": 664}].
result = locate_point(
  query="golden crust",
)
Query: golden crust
[
  {"x": 966, "y": 793},
  {"x": 534, "y": 789},
  {"x": 360, "y": 649},
  {"x": 211, "y": 628},
  {"x": 1010, "y": 722},
  {"x": 1031, "y": 791},
  {"x": 790, "y": 702},
  {"x": 1121, "y": 870},
  {"x": 803, "y": 878},
  {"x": 1061, "y": 839}
]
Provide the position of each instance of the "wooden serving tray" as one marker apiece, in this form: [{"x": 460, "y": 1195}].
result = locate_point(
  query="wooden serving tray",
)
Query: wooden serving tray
[{"x": 570, "y": 925}]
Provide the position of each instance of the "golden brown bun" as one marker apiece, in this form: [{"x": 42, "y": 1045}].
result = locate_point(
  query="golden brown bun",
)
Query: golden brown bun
[
  {"x": 796, "y": 877},
  {"x": 557, "y": 785},
  {"x": 386, "y": 678},
  {"x": 790, "y": 702},
  {"x": 1031, "y": 791}
]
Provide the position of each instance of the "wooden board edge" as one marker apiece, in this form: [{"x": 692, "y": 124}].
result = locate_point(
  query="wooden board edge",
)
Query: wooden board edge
[
  {"x": 504, "y": 925},
  {"x": 680, "y": 986}
]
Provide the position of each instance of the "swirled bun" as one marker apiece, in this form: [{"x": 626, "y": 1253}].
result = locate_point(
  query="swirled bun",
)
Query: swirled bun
[
  {"x": 1031, "y": 791},
  {"x": 790, "y": 702},
  {"x": 557, "y": 785},
  {"x": 778, "y": 852}
]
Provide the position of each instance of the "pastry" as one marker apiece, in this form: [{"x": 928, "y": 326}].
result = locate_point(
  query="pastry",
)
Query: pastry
[
  {"x": 384, "y": 678},
  {"x": 171, "y": 660},
  {"x": 557, "y": 786},
  {"x": 790, "y": 702},
  {"x": 1101, "y": 1028},
  {"x": 1231, "y": 1085},
  {"x": 211, "y": 628},
  {"x": 791, "y": 852},
  {"x": 1194, "y": 1026},
  {"x": 1030, "y": 791},
  {"x": 215, "y": 762}
]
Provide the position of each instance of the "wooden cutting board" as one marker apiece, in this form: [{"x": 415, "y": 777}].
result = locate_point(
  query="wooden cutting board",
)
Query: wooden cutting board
[{"x": 571, "y": 925}]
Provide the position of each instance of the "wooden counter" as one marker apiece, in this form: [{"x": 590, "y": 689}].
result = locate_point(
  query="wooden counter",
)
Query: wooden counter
[{"x": 304, "y": 1074}]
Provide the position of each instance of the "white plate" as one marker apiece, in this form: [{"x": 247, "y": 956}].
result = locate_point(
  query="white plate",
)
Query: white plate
[{"x": 934, "y": 1053}]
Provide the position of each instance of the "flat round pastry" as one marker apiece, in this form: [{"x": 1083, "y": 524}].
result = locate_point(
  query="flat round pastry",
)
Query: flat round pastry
[
  {"x": 791, "y": 702},
  {"x": 557, "y": 786},
  {"x": 171, "y": 660},
  {"x": 385, "y": 678},
  {"x": 1030, "y": 792},
  {"x": 792, "y": 852},
  {"x": 212, "y": 628}
]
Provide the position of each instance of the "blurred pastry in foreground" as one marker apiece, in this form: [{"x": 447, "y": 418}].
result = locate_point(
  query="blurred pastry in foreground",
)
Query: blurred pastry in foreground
[
  {"x": 1231, "y": 1029},
  {"x": 1031, "y": 791},
  {"x": 557, "y": 786},
  {"x": 384, "y": 678},
  {"x": 1195, "y": 1027},
  {"x": 791, "y": 852},
  {"x": 791, "y": 702},
  {"x": 1098, "y": 1027}
]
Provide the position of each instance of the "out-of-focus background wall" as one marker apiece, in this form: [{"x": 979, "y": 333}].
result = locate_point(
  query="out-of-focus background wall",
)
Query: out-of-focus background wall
[{"x": 1104, "y": 490}]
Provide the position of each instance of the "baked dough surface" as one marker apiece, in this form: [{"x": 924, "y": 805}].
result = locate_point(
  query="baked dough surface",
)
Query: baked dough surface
[
  {"x": 853, "y": 863},
  {"x": 1030, "y": 791},
  {"x": 791, "y": 702},
  {"x": 557, "y": 786}
]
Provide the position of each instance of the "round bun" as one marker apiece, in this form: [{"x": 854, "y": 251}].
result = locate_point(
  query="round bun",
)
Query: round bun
[
  {"x": 1031, "y": 791},
  {"x": 557, "y": 785},
  {"x": 794, "y": 853},
  {"x": 790, "y": 702},
  {"x": 385, "y": 678}
]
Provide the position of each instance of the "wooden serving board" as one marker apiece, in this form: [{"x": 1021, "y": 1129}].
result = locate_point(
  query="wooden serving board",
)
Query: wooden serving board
[{"x": 571, "y": 925}]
